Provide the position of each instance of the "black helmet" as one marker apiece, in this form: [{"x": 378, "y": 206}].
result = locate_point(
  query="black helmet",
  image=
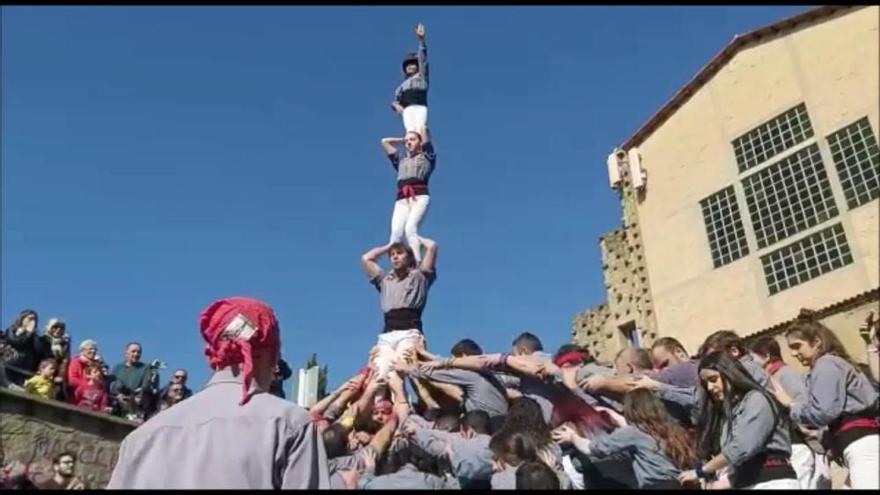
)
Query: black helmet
[{"x": 410, "y": 58}]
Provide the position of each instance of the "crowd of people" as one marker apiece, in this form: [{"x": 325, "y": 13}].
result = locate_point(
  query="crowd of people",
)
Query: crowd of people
[
  {"x": 733, "y": 415},
  {"x": 45, "y": 365}
]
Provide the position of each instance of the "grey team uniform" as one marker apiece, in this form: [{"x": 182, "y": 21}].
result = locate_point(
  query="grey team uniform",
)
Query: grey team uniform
[
  {"x": 267, "y": 443},
  {"x": 471, "y": 458},
  {"x": 407, "y": 477},
  {"x": 414, "y": 89},
  {"x": 833, "y": 388},
  {"x": 408, "y": 296},
  {"x": 754, "y": 431},
  {"x": 649, "y": 461},
  {"x": 480, "y": 393}
]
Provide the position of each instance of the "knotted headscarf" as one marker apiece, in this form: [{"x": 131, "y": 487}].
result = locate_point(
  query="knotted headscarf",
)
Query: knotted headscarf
[{"x": 235, "y": 327}]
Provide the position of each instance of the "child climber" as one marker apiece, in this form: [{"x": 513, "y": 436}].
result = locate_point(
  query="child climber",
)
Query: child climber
[{"x": 411, "y": 97}]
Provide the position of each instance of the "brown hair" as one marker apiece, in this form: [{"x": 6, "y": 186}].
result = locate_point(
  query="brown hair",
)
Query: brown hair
[
  {"x": 644, "y": 411},
  {"x": 46, "y": 362},
  {"x": 401, "y": 247},
  {"x": 807, "y": 327}
]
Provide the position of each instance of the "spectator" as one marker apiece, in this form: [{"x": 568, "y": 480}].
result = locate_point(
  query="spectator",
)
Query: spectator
[
  {"x": 178, "y": 378},
  {"x": 536, "y": 475},
  {"x": 43, "y": 383},
  {"x": 76, "y": 376},
  {"x": 64, "y": 469},
  {"x": 92, "y": 395},
  {"x": 233, "y": 423},
  {"x": 15, "y": 475},
  {"x": 173, "y": 395},
  {"x": 282, "y": 373},
  {"x": 55, "y": 344},
  {"x": 137, "y": 407},
  {"x": 130, "y": 375},
  {"x": 21, "y": 340}
]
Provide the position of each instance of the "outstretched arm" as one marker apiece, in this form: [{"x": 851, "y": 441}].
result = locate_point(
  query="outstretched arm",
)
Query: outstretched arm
[{"x": 368, "y": 261}]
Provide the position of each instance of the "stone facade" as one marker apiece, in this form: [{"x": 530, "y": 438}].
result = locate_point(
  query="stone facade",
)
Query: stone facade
[
  {"x": 33, "y": 430},
  {"x": 658, "y": 267}
]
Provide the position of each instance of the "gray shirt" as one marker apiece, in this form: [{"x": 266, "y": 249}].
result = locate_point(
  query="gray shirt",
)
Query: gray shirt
[
  {"x": 408, "y": 477},
  {"x": 834, "y": 387},
  {"x": 754, "y": 429},
  {"x": 210, "y": 441},
  {"x": 480, "y": 393},
  {"x": 756, "y": 371},
  {"x": 410, "y": 292},
  {"x": 649, "y": 461},
  {"x": 419, "y": 166},
  {"x": 538, "y": 390},
  {"x": 419, "y": 80},
  {"x": 471, "y": 458},
  {"x": 612, "y": 400},
  {"x": 792, "y": 382}
]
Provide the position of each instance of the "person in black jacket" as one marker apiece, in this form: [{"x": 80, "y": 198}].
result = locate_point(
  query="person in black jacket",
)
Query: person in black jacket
[
  {"x": 282, "y": 373},
  {"x": 21, "y": 347}
]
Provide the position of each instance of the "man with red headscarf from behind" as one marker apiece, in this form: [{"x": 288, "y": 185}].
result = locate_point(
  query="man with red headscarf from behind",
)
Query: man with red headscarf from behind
[{"x": 233, "y": 433}]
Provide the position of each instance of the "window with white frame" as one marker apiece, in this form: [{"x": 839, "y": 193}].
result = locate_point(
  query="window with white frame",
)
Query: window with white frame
[
  {"x": 724, "y": 227},
  {"x": 772, "y": 137},
  {"x": 857, "y": 158},
  {"x": 806, "y": 259},
  {"x": 789, "y": 196}
]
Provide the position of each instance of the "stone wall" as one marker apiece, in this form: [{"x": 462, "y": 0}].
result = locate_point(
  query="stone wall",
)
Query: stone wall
[
  {"x": 627, "y": 286},
  {"x": 33, "y": 430}
]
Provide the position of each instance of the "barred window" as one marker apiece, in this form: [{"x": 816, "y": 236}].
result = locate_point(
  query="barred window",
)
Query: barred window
[
  {"x": 773, "y": 137},
  {"x": 790, "y": 196},
  {"x": 857, "y": 158},
  {"x": 806, "y": 259},
  {"x": 724, "y": 227}
]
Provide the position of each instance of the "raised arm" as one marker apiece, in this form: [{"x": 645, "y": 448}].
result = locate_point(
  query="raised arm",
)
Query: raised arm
[
  {"x": 423, "y": 51},
  {"x": 430, "y": 258},
  {"x": 389, "y": 144},
  {"x": 369, "y": 261}
]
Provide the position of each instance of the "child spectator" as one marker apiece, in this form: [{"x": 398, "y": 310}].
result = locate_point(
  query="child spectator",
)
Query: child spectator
[
  {"x": 92, "y": 395},
  {"x": 43, "y": 383},
  {"x": 55, "y": 344}
]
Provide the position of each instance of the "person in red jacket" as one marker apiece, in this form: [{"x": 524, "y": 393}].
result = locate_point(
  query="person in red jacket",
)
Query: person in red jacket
[
  {"x": 92, "y": 395},
  {"x": 76, "y": 376}
]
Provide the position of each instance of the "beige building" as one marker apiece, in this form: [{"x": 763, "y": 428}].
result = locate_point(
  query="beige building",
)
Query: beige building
[{"x": 752, "y": 193}]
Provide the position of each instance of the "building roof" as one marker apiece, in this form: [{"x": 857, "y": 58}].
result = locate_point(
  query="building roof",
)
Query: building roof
[
  {"x": 738, "y": 43},
  {"x": 839, "y": 306}
]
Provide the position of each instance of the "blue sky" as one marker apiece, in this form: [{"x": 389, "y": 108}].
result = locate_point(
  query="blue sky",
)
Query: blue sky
[{"x": 155, "y": 159}]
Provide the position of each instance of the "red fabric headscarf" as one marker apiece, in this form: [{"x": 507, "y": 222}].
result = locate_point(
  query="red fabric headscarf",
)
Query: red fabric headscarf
[{"x": 233, "y": 329}]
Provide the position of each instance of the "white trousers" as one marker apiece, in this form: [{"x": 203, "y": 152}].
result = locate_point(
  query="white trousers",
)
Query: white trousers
[
  {"x": 390, "y": 346},
  {"x": 811, "y": 468},
  {"x": 785, "y": 484},
  {"x": 405, "y": 219},
  {"x": 415, "y": 118},
  {"x": 862, "y": 459}
]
